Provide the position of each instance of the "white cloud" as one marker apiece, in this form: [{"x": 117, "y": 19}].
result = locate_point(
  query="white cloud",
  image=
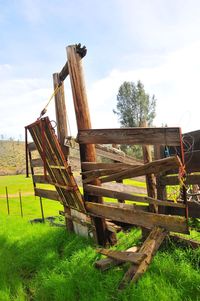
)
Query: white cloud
[{"x": 175, "y": 82}]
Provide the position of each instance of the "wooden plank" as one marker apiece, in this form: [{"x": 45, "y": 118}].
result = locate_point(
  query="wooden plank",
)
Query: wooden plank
[
  {"x": 125, "y": 188},
  {"x": 173, "y": 180},
  {"x": 152, "y": 167},
  {"x": 194, "y": 244},
  {"x": 151, "y": 136},
  {"x": 47, "y": 194},
  {"x": 101, "y": 191},
  {"x": 134, "y": 217},
  {"x": 88, "y": 166},
  {"x": 31, "y": 147},
  {"x": 41, "y": 179},
  {"x": 149, "y": 247},
  {"x": 106, "y": 263},
  {"x": 37, "y": 163},
  {"x": 123, "y": 256}
]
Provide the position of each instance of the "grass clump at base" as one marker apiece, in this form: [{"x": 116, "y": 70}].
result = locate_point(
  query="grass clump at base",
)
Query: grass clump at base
[{"x": 39, "y": 262}]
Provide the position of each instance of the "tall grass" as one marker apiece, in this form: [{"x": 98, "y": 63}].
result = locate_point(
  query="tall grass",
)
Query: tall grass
[{"x": 39, "y": 262}]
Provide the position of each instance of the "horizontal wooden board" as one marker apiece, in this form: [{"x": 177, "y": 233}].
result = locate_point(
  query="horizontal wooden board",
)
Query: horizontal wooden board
[
  {"x": 101, "y": 191},
  {"x": 149, "y": 136},
  {"x": 87, "y": 166},
  {"x": 125, "y": 188},
  {"x": 41, "y": 179},
  {"x": 155, "y": 167},
  {"x": 123, "y": 256},
  {"x": 47, "y": 194},
  {"x": 37, "y": 162},
  {"x": 174, "y": 180},
  {"x": 143, "y": 219},
  {"x": 31, "y": 146}
]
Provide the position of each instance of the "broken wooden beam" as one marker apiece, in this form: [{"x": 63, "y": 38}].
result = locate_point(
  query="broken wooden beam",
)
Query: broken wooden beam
[
  {"x": 155, "y": 167},
  {"x": 126, "y": 256},
  {"x": 101, "y": 191},
  {"x": 139, "y": 218},
  {"x": 106, "y": 263},
  {"x": 149, "y": 247}
]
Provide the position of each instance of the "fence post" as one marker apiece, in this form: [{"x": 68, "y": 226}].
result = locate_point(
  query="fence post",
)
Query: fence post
[
  {"x": 8, "y": 206},
  {"x": 42, "y": 211},
  {"x": 20, "y": 201}
]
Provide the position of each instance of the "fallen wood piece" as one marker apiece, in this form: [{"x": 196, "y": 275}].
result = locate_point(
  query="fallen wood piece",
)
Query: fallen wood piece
[
  {"x": 194, "y": 244},
  {"x": 139, "y": 218},
  {"x": 101, "y": 191},
  {"x": 154, "y": 167},
  {"x": 113, "y": 227},
  {"x": 106, "y": 263},
  {"x": 149, "y": 247},
  {"x": 123, "y": 256}
]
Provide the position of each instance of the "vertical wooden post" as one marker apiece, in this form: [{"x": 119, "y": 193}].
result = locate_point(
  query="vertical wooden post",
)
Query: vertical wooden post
[
  {"x": 150, "y": 178},
  {"x": 7, "y": 199},
  {"x": 42, "y": 211},
  {"x": 61, "y": 119},
  {"x": 20, "y": 202},
  {"x": 87, "y": 151}
]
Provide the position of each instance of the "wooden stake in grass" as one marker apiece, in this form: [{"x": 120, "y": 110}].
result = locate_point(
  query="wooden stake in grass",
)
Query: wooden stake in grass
[
  {"x": 42, "y": 211},
  {"x": 20, "y": 202},
  {"x": 7, "y": 199}
]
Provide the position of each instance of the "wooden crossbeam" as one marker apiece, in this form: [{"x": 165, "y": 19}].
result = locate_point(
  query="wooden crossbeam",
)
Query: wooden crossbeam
[
  {"x": 155, "y": 167},
  {"x": 151, "y": 136},
  {"x": 48, "y": 194},
  {"x": 135, "y": 217},
  {"x": 101, "y": 191}
]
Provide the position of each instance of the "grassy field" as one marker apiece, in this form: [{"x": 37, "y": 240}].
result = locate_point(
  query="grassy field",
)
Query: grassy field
[
  {"x": 40, "y": 262},
  {"x": 31, "y": 204}
]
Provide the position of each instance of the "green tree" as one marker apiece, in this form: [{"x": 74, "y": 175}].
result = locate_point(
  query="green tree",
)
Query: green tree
[{"x": 134, "y": 105}]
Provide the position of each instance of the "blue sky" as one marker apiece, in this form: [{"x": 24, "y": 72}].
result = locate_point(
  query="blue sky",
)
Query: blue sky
[{"x": 157, "y": 42}]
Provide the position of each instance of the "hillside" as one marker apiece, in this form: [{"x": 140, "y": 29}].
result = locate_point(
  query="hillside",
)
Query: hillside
[{"x": 12, "y": 157}]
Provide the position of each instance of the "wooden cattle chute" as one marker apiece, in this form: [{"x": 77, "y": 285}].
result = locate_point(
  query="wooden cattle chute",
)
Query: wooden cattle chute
[{"x": 151, "y": 210}]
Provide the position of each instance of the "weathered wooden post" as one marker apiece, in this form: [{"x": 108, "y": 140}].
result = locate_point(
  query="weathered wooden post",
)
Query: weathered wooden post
[
  {"x": 87, "y": 151},
  {"x": 62, "y": 131}
]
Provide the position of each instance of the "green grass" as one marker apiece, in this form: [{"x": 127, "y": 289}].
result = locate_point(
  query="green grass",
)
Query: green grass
[
  {"x": 16, "y": 183},
  {"x": 43, "y": 263},
  {"x": 39, "y": 262}
]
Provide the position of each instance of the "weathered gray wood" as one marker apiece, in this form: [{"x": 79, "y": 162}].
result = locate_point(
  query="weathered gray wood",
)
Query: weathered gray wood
[
  {"x": 37, "y": 163},
  {"x": 106, "y": 263},
  {"x": 149, "y": 247},
  {"x": 89, "y": 166},
  {"x": 174, "y": 180},
  {"x": 151, "y": 136},
  {"x": 144, "y": 219},
  {"x": 47, "y": 194},
  {"x": 31, "y": 147},
  {"x": 101, "y": 191},
  {"x": 41, "y": 179},
  {"x": 152, "y": 167},
  {"x": 125, "y": 188},
  {"x": 123, "y": 256}
]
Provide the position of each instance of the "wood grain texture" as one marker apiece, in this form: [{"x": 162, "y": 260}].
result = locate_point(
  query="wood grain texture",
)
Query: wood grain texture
[
  {"x": 151, "y": 136},
  {"x": 47, "y": 194},
  {"x": 144, "y": 219},
  {"x": 155, "y": 167},
  {"x": 127, "y": 256},
  {"x": 101, "y": 191}
]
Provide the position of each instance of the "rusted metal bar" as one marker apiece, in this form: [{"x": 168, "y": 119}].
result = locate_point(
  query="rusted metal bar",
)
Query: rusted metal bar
[{"x": 42, "y": 211}]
